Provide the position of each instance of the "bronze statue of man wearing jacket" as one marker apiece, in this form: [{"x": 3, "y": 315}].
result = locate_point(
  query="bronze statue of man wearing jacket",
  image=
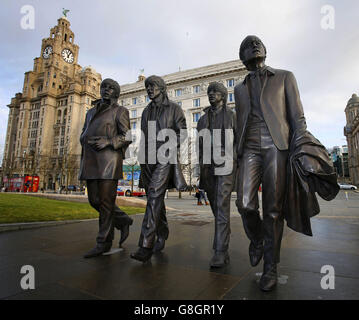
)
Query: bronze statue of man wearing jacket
[
  {"x": 158, "y": 175},
  {"x": 269, "y": 111},
  {"x": 218, "y": 185},
  {"x": 104, "y": 144}
]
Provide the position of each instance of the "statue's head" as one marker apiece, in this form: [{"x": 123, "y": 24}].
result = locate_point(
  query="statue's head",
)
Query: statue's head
[
  {"x": 155, "y": 86},
  {"x": 110, "y": 89},
  {"x": 217, "y": 92},
  {"x": 252, "y": 48}
]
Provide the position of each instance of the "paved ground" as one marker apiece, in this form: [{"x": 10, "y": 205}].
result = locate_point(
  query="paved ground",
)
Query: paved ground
[{"x": 181, "y": 271}]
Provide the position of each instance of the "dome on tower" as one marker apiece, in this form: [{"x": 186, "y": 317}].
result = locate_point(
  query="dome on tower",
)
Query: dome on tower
[{"x": 354, "y": 99}]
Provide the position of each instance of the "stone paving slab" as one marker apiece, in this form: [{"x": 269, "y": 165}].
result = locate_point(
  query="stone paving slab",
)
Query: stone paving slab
[{"x": 182, "y": 270}]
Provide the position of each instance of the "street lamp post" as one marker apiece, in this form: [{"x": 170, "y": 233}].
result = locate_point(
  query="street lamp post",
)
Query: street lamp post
[{"x": 23, "y": 171}]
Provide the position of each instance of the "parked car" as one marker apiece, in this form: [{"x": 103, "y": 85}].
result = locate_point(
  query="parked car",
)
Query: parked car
[
  {"x": 346, "y": 186},
  {"x": 72, "y": 187}
]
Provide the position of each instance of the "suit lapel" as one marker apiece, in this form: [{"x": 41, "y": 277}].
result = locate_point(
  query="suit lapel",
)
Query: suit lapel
[
  {"x": 96, "y": 114},
  {"x": 262, "y": 91},
  {"x": 246, "y": 103}
]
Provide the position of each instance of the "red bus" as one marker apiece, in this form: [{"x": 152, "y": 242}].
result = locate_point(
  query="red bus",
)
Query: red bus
[{"x": 21, "y": 184}]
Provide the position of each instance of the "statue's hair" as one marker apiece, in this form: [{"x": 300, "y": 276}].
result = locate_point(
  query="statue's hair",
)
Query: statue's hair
[
  {"x": 113, "y": 83},
  {"x": 219, "y": 87},
  {"x": 245, "y": 43},
  {"x": 157, "y": 81}
]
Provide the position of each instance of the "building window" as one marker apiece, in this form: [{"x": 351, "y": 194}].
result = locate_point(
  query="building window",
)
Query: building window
[
  {"x": 147, "y": 98},
  {"x": 134, "y": 100},
  {"x": 230, "y": 97},
  {"x": 230, "y": 83},
  {"x": 196, "y": 102},
  {"x": 134, "y": 125},
  {"x": 196, "y": 116},
  {"x": 196, "y": 89},
  {"x": 134, "y": 113},
  {"x": 178, "y": 92}
]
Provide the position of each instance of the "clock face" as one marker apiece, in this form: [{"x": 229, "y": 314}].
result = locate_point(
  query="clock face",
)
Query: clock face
[
  {"x": 67, "y": 55},
  {"x": 47, "y": 52}
]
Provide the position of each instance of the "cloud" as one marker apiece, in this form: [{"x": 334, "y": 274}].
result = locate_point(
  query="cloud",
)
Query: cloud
[{"x": 120, "y": 37}]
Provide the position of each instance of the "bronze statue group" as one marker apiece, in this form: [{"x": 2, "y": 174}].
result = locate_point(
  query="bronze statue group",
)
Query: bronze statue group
[{"x": 270, "y": 146}]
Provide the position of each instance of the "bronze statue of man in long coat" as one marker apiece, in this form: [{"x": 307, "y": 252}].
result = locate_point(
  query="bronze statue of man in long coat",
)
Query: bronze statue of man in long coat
[{"x": 104, "y": 144}]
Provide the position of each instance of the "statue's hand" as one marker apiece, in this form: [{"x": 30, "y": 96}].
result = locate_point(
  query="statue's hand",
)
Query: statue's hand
[{"x": 99, "y": 143}]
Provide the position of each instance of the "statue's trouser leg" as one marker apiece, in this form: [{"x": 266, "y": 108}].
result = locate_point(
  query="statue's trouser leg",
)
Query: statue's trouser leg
[
  {"x": 155, "y": 221},
  {"x": 102, "y": 197},
  {"x": 262, "y": 162},
  {"x": 220, "y": 199},
  {"x": 274, "y": 186},
  {"x": 248, "y": 182},
  {"x": 120, "y": 217}
]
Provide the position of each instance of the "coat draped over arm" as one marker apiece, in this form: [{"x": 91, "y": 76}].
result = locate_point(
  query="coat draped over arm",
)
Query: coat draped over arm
[{"x": 310, "y": 171}]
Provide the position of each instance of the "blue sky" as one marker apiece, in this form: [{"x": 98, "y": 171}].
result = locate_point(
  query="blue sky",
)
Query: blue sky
[{"x": 120, "y": 37}]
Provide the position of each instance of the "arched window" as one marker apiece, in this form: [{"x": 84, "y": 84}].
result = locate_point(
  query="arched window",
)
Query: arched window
[
  {"x": 65, "y": 37},
  {"x": 58, "y": 116}
]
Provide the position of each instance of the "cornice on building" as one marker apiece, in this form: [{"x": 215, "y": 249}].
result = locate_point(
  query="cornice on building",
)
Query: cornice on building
[{"x": 189, "y": 75}]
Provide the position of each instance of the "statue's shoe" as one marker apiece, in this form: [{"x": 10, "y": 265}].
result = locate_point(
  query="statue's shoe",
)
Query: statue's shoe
[
  {"x": 219, "y": 259},
  {"x": 125, "y": 231},
  {"x": 98, "y": 250},
  {"x": 268, "y": 280},
  {"x": 142, "y": 254},
  {"x": 159, "y": 245},
  {"x": 255, "y": 253}
]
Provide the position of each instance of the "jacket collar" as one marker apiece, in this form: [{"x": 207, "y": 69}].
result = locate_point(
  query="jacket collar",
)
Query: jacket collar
[
  {"x": 165, "y": 102},
  {"x": 216, "y": 111},
  {"x": 270, "y": 72}
]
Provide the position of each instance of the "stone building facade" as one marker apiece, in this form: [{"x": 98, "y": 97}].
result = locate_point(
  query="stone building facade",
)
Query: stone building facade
[
  {"x": 188, "y": 88},
  {"x": 351, "y": 131},
  {"x": 46, "y": 118}
]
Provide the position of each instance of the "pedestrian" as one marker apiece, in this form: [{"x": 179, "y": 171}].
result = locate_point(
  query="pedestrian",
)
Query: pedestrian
[
  {"x": 202, "y": 195},
  {"x": 198, "y": 196}
]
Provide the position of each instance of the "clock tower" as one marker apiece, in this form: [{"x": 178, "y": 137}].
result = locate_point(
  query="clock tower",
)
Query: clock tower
[
  {"x": 46, "y": 118},
  {"x": 60, "y": 48}
]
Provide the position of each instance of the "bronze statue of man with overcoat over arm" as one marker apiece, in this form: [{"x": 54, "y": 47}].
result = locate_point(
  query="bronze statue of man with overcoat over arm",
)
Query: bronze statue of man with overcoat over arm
[
  {"x": 104, "y": 144},
  {"x": 275, "y": 149}
]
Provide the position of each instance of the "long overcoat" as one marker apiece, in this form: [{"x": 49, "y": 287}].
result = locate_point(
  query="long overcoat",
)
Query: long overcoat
[
  {"x": 111, "y": 121},
  {"x": 169, "y": 116}
]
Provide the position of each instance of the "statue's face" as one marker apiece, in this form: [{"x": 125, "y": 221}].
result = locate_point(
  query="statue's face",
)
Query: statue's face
[
  {"x": 254, "y": 49},
  {"x": 153, "y": 91},
  {"x": 108, "y": 91},
  {"x": 214, "y": 97}
]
